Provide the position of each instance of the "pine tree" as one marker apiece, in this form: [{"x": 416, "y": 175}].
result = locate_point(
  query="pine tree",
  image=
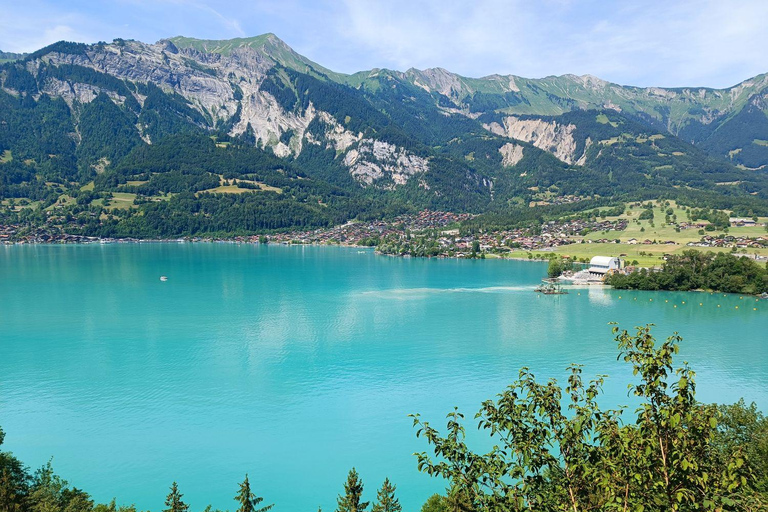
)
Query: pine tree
[
  {"x": 457, "y": 500},
  {"x": 353, "y": 493},
  {"x": 435, "y": 503},
  {"x": 386, "y": 500},
  {"x": 11, "y": 497},
  {"x": 13, "y": 481},
  {"x": 249, "y": 501},
  {"x": 173, "y": 501}
]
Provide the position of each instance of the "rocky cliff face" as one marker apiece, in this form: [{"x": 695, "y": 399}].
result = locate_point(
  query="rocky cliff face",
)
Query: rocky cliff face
[
  {"x": 207, "y": 80},
  {"x": 511, "y": 154},
  {"x": 370, "y": 161},
  {"x": 78, "y": 92},
  {"x": 227, "y": 88},
  {"x": 441, "y": 81},
  {"x": 373, "y": 160},
  {"x": 671, "y": 108},
  {"x": 550, "y": 136}
]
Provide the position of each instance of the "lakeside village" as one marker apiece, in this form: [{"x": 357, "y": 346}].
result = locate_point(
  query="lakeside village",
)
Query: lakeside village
[
  {"x": 405, "y": 231},
  {"x": 435, "y": 234},
  {"x": 431, "y": 234}
]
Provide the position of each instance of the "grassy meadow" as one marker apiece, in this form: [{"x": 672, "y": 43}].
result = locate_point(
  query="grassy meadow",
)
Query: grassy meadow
[{"x": 649, "y": 255}]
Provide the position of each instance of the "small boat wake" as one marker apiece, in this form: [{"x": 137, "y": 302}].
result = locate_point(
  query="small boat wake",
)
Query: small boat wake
[{"x": 417, "y": 293}]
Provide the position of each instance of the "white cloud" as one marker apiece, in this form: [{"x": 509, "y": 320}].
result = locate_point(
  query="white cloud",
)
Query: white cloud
[
  {"x": 679, "y": 43},
  {"x": 657, "y": 42},
  {"x": 432, "y": 33},
  {"x": 21, "y": 33},
  {"x": 201, "y": 11},
  {"x": 662, "y": 42}
]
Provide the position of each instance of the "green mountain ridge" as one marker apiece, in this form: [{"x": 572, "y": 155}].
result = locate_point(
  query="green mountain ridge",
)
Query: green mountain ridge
[
  {"x": 694, "y": 114},
  {"x": 10, "y": 56},
  {"x": 269, "y": 44},
  {"x": 272, "y": 131},
  {"x": 550, "y": 95}
]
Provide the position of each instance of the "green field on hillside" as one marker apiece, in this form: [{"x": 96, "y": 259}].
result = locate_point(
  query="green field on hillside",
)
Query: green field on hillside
[
  {"x": 639, "y": 231},
  {"x": 121, "y": 200}
]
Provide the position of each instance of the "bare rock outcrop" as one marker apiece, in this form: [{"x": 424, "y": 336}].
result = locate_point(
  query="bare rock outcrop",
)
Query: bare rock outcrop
[
  {"x": 214, "y": 84},
  {"x": 548, "y": 135},
  {"x": 511, "y": 154},
  {"x": 374, "y": 160}
]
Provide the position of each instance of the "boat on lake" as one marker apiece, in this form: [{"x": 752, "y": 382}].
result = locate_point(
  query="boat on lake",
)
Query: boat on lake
[{"x": 550, "y": 287}]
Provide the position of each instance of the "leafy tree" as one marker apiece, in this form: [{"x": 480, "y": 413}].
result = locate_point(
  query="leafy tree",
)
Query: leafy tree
[
  {"x": 386, "y": 500},
  {"x": 173, "y": 501},
  {"x": 14, "y": 481},
  {"x": 745, "y": 427},
  {"x": 113, "y": 507},
  {"x": 458, "y": 500},
  {"x": 555, "y": 267},
  {"x": 11, "y": 497},
  {"x": 77, "y": 500},
  {"x": 50, "y": 493},
  {"x": 696, "y": 270},
  {"x": 352, "y": 500},
  {"x": 435, "y": 503},
  {"x": 248, "y": 501},
  {"x": 664, "y": 459}
]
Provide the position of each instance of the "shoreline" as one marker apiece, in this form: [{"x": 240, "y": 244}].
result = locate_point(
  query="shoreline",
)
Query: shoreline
[
  {"x": 236, "y": 241},
  {"x": 196, "y": 240},
  {"x": 251, "y": 242}
]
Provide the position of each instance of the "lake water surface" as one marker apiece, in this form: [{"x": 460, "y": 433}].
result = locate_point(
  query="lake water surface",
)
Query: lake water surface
[{"x": 296, "y": 363}]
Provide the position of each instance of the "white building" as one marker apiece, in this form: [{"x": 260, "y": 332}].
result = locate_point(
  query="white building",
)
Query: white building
[{"x": 601, "y": 265}]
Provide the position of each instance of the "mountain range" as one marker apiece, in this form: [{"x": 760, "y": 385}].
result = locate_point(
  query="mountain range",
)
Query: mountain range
[{"x": 185, "y": 123}]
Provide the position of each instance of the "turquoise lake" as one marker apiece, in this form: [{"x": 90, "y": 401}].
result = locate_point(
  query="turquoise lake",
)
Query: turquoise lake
[{"x": 294, "y": 364}]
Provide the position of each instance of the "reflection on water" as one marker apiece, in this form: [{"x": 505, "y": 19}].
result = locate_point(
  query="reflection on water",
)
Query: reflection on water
[{"x": 598, "y": 296}]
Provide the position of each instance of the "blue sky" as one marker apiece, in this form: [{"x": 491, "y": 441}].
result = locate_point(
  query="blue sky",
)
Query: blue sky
[{"x": 663, "y": 43}]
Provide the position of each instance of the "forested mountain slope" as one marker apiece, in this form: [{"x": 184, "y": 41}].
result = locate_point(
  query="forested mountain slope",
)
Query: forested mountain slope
[
  {"x": 189, "y": 136},
  {"x": 729, "y": 122}
]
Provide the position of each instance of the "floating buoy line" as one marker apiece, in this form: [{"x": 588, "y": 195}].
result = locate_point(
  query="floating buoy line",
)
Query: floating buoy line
[{"x": 701, "y": 304}]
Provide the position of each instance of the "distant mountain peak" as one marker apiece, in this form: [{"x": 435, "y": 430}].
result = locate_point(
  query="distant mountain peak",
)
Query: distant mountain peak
[
  {"x": 267, "y": 44},
  {"x": 203, "y": 71},
  {"x": 225, "y": 46}
]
